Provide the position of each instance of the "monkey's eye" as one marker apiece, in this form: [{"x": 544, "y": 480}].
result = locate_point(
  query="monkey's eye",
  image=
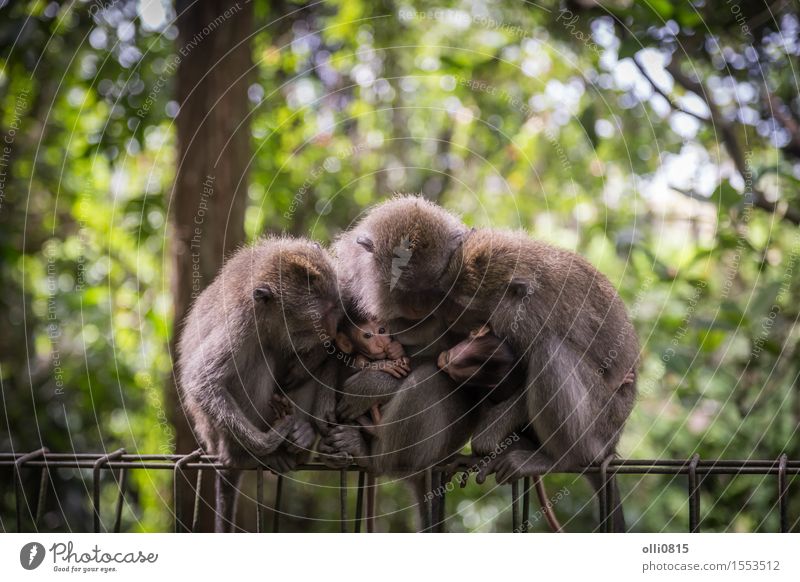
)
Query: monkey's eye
[
  {"x": 382, "y": 331},
  {"x": 367, "y": 335}
]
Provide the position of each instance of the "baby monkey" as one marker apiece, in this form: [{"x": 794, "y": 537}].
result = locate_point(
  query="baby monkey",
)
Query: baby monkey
[
  {"x": 486, "y": 363},
  {"x": 369, "y": 346}
]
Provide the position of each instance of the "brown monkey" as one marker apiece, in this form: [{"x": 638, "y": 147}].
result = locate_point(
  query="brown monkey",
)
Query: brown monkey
[
  {"x": 374, "y": 349},
  {"x": 565, "y": 319},
  {"x": 261, "y": 329},
  {"x": 390, "y": 265},
  {"x": 486, "y": 363}
]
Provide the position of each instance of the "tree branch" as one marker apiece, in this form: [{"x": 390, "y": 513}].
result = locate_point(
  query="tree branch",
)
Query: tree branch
[{"x": 731, "y": 141}]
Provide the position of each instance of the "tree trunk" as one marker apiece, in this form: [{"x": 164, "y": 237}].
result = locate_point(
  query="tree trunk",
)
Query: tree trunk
[{"x": 210, "y": 192}]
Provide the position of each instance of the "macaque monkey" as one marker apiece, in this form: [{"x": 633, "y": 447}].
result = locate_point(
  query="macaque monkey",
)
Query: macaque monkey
[
  {"x": 254, "y": 373},
  {"x": 486, "y": 363},
  {"x": 565, "y": 320},
  {"x": 371, "y": 347},
  {"x": 390, "y": 265}
]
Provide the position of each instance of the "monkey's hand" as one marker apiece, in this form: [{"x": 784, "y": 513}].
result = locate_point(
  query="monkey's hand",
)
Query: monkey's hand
[
  {"x": 276, "y": 436},
  {"x": 280, "y": 405},
  {"x": 281, "y": 462},
  {"x": 331, "y": 456},
  {"x": 463, "y": 464},
  {"x": 301, "y": 437},
  {"x": 362, "y": 362},
  {"x": 395, "y": 368},
  {"x": 349, "y": 440},
  {"x": 395, "y": 351},
  {"x": 515, "y": 464}
]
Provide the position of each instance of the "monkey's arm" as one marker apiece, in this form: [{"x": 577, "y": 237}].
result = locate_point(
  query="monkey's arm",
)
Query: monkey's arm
[
  {"x": 216, "y": 402},
  {"x": 323, "y": 410},
  {"x": 363, "y": 390}
]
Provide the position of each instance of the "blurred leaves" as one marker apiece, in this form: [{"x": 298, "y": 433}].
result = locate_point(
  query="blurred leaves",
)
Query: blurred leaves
[{"x": 512, "y": 115}]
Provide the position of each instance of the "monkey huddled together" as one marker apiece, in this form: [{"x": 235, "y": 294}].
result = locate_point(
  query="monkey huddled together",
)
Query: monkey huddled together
[{"x": 413, "y": 337}]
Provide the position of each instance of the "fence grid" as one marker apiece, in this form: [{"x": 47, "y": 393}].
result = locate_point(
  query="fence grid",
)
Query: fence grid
[{"x": 122, "y": 462}]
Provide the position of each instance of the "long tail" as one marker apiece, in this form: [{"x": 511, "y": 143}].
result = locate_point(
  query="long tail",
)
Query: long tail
[{"x": 547, "y": 508}]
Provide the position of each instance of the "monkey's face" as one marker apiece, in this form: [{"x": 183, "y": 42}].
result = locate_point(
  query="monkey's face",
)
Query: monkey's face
[
  {"x": 299, "y": 287},
  {"x": 410, "y": 242},
  {"x": 371, "y": 339},
  {"x": 490, "y": 270}
]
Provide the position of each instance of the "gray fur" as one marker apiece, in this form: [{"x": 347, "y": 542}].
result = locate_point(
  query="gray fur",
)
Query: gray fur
[{"x": 239, "y": 346}]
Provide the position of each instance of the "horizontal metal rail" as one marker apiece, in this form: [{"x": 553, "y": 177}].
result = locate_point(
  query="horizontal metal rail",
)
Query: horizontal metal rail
[{"x": 694, "y": 468}]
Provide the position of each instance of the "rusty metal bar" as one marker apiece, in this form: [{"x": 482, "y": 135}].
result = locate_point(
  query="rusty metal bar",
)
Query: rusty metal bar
[
  {"x": 18, "y": 485},
  {"x": 783, "y": 489},
  {"x": 427, "y": 505},
  {"x": 621, "y": 466},
  {"x": 343, "y": 501},
  {"x": 98, "y": 464},
  {"x": 197, "y": 497},
  {"x": 44, "y": 477},
  {"x": 276, "y": 511},
  {"x": 515, "y": 506},
  {"x": 178, "y": 477},
  {"x": 526, "y": 505},
  {"x": 434, "y": 513},
  {"x": 359, "y": 501},
  {"x": 442, "y": 505},
  {"x": 694, "y": 495},
  {"x": 120, "y": 500},
  {"x": 260, "y": 500},
  {"x": 606, "y": 494}
]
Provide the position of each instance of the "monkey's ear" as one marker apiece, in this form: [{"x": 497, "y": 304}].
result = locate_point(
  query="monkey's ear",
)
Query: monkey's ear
[
  {"x": 344, "y": 343},
  {"x": 518, "y": 288},
  {"x": 366, "y": 242},
  {"x": 263, "y": 293}
]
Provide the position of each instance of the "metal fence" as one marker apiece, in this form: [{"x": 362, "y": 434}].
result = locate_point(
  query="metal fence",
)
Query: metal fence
[{"x": 42, "y": 460}]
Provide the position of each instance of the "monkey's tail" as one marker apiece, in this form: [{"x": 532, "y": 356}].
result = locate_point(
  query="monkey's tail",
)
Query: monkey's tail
[{"x": 547, "y": 508}]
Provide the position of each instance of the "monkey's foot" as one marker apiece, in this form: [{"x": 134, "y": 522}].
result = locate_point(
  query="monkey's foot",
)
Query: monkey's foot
[
  {"x": 280, "y": 462},
  {"x": 343, "y": 442},
  {"x": 464, "y": 464},
  {"x": 516, "y": 464},
  {"x": 301, "y": 436},
  {"x": 348, "y": 439}
]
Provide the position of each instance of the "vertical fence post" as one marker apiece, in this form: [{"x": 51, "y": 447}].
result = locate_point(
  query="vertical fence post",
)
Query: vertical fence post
[
  {"x": 442, "y": 506},
  {"x": 606, "y": 495},
  {"x": 783, "y": 488},
  {"x": 359, "y": 501},
  {"x": 343, "y": 500},
  {"x": 276, "y": 511},
  {"x": 515, "y": 507},
  {"x": 197, "y": 497},
  {"x": 98, "y": 464},
  {"x": 177, "y": 477},
  {"x": 427, "y": 504},
  {"x": 526, "y": 505},
  {"x": 694, "y": 495},
  {"x": 120, "y": 500},
  {"x": 19, "y": 491}
]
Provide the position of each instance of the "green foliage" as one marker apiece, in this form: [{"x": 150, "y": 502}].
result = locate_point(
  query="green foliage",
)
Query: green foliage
[{"x": 512, "y": 115}]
